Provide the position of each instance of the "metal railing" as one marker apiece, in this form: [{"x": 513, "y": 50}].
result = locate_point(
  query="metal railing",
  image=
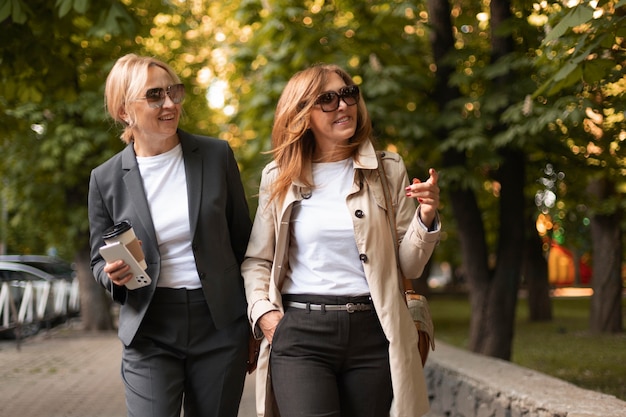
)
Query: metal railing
[{"x": 36, "y": 302}]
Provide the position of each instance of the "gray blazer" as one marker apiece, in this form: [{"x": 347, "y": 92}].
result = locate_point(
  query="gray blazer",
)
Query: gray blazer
[{"x": 220, "y": 226}]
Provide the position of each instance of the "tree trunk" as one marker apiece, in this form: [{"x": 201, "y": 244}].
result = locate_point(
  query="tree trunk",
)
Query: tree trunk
[
  {"x": 535, "y": 273},
  {"x": 95, "y": 303},
  {"x": 502, "y": 300},
  {"x": 493, "y": 299},
  {"x": 606, "y": 236},
  {"x": 462, "y": 200},
  {"x": 499, "y": 323}
]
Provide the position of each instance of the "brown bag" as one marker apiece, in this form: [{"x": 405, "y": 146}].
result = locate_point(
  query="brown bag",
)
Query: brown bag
[
  {"x": 254, "y": 347},
  {"x": 417, "y": 304}
]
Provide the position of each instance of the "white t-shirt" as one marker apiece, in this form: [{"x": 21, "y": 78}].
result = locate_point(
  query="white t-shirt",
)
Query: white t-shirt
[
  {"x": 166, "y": 189},
  {"x": 323, "y": 255}
]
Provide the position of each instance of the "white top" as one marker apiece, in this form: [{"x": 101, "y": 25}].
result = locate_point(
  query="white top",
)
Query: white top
[
  {"x": 323, "y": 255},
  {"x": 166, "y": 189}
]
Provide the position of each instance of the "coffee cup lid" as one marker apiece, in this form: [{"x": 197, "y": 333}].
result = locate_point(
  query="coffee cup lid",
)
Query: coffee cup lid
[{"x": 117, "y": 229}]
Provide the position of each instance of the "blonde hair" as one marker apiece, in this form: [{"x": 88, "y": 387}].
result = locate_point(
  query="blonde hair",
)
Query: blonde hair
[
  {"x": 293, "y": 143},
  {"x": 125, "y": 84}
]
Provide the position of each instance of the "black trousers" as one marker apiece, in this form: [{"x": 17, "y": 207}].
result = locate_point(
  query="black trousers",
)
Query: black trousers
[
  {"x": 330, "y": 363},
  {"x": 178, "y": 358}
]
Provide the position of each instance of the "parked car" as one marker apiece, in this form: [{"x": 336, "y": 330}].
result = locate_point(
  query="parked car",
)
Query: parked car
[
  {"x": 52, "y": 265},
  {"x": 17, "y": 276}
]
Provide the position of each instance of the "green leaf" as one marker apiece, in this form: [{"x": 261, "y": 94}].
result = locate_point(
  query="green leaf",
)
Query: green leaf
[
  {"x": 597, "y": 69},
  {"x": 64, "y": 7},
  {"x": 571, "y": 78},
  {"x": 18, "y": 15},
  {"x": 81, "y": 6},
  {"x": 577, "y": 16},
  {"x": 565, "y": 70},
  {"x": 5, "y": 9}
]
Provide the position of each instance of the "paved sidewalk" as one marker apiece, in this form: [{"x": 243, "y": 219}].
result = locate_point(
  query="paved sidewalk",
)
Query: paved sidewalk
[{"x": 67, "y": 372}]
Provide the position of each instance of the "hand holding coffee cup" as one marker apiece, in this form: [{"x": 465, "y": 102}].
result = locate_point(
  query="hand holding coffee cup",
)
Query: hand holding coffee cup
[{"x": 123, "y": 233}]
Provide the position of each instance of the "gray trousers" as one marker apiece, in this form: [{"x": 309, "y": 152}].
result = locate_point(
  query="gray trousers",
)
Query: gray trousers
[{"x": 179, "y": 359}]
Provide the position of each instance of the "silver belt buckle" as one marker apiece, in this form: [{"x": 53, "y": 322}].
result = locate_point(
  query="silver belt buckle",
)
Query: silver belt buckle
[{"x": 350, "y": 308}]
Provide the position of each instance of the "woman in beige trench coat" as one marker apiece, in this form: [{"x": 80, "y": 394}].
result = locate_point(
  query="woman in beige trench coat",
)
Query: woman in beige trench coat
[{"x": 321, "y": 122}]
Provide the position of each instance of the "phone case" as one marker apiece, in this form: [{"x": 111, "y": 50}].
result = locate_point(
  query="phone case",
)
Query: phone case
[{"x": 115, "y": 251}]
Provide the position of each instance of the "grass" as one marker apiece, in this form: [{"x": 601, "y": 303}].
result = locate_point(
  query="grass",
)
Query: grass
[{"x": 562, "y": 348}]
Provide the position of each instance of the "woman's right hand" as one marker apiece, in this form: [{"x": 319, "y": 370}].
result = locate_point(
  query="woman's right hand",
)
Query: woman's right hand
[
  {"x": 268, "y": 322},
  {"x": 118, "y": 272}
]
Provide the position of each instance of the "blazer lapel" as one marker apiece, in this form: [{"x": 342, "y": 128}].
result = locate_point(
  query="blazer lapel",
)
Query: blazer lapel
[
  {"x": 134, "y": 186},
  {"x": 194, "y": 173}
]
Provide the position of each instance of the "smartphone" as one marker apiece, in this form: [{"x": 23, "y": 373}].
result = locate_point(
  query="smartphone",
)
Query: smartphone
[{"x": 115, "y": 251}]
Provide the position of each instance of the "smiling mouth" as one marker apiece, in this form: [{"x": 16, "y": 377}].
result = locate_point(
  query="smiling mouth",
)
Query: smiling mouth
[
  {"x": 342, "y": 120},
  {"x": 166, "y": 118}
]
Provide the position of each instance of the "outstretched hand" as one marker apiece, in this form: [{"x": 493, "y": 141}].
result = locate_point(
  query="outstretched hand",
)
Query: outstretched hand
[{"x": 427, "y": 194}]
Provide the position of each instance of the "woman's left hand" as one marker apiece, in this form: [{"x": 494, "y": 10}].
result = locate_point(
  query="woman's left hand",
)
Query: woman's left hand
[{"x": 427, "y": 194}]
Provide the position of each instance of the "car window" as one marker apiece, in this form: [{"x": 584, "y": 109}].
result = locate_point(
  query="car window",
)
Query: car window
[
  {"x": 54, "y": 269},
  {"x": 5, "y": 275},
  {"x": 8, "y": 275}
]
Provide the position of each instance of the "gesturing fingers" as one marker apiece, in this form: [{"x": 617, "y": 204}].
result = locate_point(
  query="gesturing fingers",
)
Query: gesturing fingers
[
  {"x": 425, "y": 192},
  {"x": 434, "y": 176}
]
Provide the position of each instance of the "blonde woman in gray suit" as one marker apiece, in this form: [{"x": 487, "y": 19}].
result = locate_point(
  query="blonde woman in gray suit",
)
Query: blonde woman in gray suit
[{"x": 185, "y": 336}]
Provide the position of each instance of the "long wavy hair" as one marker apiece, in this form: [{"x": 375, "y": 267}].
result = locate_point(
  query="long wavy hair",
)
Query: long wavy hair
[
  {"x": 293, "y": 142},
  {"x": 124, "y": 84}
]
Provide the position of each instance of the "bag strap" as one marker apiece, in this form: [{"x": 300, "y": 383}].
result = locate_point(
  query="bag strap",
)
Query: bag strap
[{"x": 391, "y": 217}]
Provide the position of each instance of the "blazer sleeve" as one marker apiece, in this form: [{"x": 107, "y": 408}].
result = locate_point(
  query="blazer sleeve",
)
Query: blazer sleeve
[{"x": 99, "y": 221}]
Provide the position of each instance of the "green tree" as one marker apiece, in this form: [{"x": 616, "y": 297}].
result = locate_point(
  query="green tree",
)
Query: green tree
[
  {"x": 377, "y": 42},
  {"x": 52, "y": 129},
  {"x": 447, "y": 85},
  {"x": 581, "y": 63},
  {"x": 445, "y": 96},
  {"x": 52, "y": 118},
  {"x": 483, "y": 71}
]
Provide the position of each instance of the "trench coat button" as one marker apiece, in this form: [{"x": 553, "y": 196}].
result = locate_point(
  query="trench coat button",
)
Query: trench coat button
[
  {"x": 363, "y": 257},
  {"x": 359, "y": 214},
  {"x": 202, "y": 275}
]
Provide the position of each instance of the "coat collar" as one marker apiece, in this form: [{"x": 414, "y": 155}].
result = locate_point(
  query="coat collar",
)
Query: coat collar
[
  {"x": 365, "y": 160},
  {"x": 366, "y": 156}
]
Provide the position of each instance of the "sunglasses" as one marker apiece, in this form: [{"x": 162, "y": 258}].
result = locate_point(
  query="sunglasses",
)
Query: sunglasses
[
  {"x": 156, "y": 96},
  {"x": 329, "y": 101}
]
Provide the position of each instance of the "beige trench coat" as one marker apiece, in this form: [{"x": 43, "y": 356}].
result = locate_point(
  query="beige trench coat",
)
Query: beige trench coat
[{"x": 266, "y": 263}]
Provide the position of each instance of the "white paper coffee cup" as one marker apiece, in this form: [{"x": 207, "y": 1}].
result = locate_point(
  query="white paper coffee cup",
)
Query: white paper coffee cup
[{"x": 123, "y": 232}]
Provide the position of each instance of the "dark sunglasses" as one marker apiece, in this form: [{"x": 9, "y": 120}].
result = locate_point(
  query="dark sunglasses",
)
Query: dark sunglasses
[
  {"x": 329, "y": 101},
  {"x": 156, "y": 96}
]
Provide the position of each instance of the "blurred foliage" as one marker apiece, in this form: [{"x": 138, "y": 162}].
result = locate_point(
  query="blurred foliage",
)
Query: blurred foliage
[
  {"x": 382, "y": 44},
  {"x": 235, "y": 57},
  {"x": 581, "y": 102},
  {"x": 52, "y": 125}
]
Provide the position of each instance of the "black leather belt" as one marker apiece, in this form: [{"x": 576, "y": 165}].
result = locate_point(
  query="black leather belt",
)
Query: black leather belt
[{"x": 349, "y": 307}]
